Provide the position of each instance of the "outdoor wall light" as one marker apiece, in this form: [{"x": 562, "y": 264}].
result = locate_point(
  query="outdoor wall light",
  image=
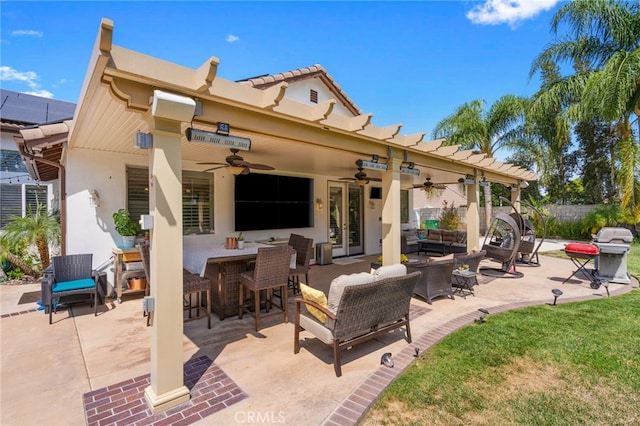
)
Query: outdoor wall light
[
  {"x": 387, "y": 360},
  {"x": 483, "y": 315},
  {"x": 556, "y": 293},
  {"x": 94, "y": 198},
  {"x": 319, "y": 204}
]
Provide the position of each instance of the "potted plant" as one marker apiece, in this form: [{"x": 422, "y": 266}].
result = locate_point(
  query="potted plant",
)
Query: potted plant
[
  {"x": 240, "y": 241},
  {"x": 126, "y": 227}
]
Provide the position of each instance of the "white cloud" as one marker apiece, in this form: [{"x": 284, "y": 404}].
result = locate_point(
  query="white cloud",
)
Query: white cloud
[
  {"x": 232, "y": 39},
  {"x": 28, "y": 77},
  {"x": 495, "y": 12},
  {"x": 41, "y": 93},
  {"x": 32, "y": 33}
]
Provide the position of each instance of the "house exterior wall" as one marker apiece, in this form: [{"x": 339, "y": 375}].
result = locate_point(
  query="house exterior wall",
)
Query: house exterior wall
[
  {"x": 91, "y": 230},
  {"x": 299, "y": 92},
  {"x": 20, "y": 176}
]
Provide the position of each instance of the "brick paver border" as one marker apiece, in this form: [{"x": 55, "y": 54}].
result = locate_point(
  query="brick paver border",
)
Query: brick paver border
[
  {"x": 123, "y": 403},
  {"x": 356, "y": 405}
]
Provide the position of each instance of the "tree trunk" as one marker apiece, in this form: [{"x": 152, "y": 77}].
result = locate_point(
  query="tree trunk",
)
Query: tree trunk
[
  {"x": 43, "y": 251},
  {"x": 22, "y": 265}
]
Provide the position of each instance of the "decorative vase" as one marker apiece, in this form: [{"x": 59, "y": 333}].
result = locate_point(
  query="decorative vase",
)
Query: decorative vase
[
  {"x": 128, "y": 241},
  {"x": 240, "y": 244},
  {"x": 231, "y": 243}
]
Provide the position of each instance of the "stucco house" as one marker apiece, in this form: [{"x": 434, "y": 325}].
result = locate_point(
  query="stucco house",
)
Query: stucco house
[
  {"x": 160, "y": 138},
  {"x": 21, "y": 186}
]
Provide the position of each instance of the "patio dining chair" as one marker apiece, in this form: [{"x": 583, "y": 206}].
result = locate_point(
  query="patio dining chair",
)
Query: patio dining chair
[
  {"x": 192, "y": 284},
  {"x": 303, "y": 247},
  {"x": 271, "y": 272},
  {"x": 71, "y": 274}
]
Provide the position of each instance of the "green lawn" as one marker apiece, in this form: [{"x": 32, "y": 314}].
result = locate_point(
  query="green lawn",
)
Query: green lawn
[{"x": 570, "y": 364}]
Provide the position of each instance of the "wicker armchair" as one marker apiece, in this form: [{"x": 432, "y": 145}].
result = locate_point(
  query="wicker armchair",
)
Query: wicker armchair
[
  {"x": 303, "y": 247},
  {"x": 71, "y": 274},
  {"x": 271, "y": 272},
  {"x": 435, "y": 280}
]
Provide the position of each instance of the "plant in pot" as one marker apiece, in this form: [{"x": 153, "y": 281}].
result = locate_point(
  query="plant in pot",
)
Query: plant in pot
[
  {"x": 240, "y": 241},
  {"x": 126, "y": 227}
]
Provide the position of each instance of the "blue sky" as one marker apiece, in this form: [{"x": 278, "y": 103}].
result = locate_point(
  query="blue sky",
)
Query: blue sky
[{"x": 411, "y": 62}]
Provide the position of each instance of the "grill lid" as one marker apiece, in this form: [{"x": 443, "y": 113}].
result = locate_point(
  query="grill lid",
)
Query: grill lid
[{"x": 614, "y": 235}]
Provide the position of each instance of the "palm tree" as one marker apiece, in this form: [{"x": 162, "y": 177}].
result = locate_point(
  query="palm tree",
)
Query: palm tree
[
  {"x": 485, "y": 131},
  {"x": 604, "y": 35},
  {"x": 38, "y": 228}
]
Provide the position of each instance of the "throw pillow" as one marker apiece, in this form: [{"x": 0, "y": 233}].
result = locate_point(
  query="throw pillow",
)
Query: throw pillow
[
  {"x": 389, "y": 271},
  {"x": 309, "y": 293}
]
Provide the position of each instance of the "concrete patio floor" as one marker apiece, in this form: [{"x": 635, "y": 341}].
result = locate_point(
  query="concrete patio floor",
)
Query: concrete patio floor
[{"x": 48, "y": 369}]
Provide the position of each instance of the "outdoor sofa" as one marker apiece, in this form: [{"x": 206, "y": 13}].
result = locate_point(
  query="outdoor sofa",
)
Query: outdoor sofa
[
  {"x": 359, "y": 307},
  {"x": 440, "y": 241}
]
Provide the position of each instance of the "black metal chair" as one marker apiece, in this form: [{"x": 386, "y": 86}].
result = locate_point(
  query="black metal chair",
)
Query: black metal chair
[{"x": 71, "y": 274}]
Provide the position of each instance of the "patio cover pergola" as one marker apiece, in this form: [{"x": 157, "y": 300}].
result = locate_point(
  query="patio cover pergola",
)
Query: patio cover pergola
[{"x": 125, "y": 92}]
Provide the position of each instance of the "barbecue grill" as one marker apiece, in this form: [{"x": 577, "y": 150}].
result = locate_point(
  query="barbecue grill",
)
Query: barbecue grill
[
  {"x": 613, "y": 245},
  {"x": 580, "y": 254}
]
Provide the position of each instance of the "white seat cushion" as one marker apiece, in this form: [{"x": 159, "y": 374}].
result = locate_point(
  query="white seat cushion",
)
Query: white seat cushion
[{"x": 389, "y": 271}]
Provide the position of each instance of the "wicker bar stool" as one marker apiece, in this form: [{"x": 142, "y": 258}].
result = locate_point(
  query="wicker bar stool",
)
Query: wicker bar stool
[
  {"x": 191, "y": 284},
  {"x": 271, "y": 272}
]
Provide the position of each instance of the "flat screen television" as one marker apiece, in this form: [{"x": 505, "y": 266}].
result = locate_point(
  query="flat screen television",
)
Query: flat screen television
[
  {"x": 273, "y": 202},
  {"x": 376, "y": 193}
]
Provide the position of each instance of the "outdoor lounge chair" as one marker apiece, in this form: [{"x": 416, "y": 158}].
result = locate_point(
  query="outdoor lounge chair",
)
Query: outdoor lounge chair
[{"x": 71, "y": 274}]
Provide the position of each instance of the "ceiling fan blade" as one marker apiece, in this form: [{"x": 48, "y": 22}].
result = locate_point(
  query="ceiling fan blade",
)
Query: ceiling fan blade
[
  {"x": 210, "y": 163},
  {"x": 214, "y": 168},
  {"x": 259, "y": 166},
  {"x": 374, "y": 179},
  {"x": 245, "y": 171},
  {"x": 346, "y": 178}
]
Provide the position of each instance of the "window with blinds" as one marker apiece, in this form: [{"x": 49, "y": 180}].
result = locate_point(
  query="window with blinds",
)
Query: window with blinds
[
  {"x": 34, "y": 195},
  {"x": 10, "y": 202},
  {"x": 13, "y": 204},
  {"x": 404, "y": 206},
  {"x": 197, "y": 198}
]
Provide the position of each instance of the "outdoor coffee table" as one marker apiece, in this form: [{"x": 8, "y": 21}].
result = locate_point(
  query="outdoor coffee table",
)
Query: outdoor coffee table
[{"x": 463, "y": 282}]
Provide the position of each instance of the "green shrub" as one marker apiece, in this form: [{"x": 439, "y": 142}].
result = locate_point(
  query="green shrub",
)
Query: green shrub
[
  {"x": 601, "y": 216},
  {"x": 449, "y": 218}
]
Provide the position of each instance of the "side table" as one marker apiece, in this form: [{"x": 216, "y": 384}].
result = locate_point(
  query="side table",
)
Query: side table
[{"x": 463, "y": 282}]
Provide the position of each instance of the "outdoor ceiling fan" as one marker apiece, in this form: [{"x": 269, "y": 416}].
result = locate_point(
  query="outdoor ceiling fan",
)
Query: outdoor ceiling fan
[
  {"x": 428, "y": 185},
  {"x": 236, "y": 164},
  {"x": 361, "y": 178}
]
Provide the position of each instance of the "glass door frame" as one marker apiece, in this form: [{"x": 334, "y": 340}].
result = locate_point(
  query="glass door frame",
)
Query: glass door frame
[{"x": 345, "y": 197}]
